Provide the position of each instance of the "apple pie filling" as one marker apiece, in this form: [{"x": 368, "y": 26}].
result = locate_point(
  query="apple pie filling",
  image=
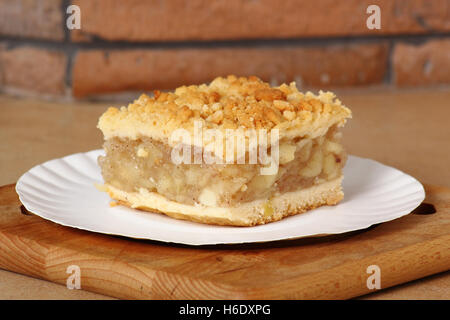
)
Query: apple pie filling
[{"x": 146, "y": 163}]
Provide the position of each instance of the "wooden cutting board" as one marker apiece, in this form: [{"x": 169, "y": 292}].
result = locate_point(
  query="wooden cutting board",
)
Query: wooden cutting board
[{"x": 331, "y": 267}]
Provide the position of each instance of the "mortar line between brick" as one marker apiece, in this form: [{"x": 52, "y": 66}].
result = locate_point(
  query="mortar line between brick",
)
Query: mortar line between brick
[
  {"x": 247, "y": 43},
  {"x": 69, "y": 50}
]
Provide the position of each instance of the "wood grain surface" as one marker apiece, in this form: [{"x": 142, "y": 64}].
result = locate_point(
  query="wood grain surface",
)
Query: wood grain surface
[{"x": 331, "y": 267}]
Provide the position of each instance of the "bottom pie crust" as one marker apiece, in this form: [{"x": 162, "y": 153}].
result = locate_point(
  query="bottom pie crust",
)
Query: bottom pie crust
[{"x": 247, "y": 214}]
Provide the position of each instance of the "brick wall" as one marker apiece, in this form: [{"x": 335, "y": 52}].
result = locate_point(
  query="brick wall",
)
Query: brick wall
[{"x": 138, "y": 45}]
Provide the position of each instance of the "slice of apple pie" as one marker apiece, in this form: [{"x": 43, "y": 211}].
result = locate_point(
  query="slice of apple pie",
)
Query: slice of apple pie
[{"x": 234, "y": 152}]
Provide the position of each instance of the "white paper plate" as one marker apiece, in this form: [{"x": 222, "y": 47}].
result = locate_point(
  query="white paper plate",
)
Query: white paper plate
[{"x": 62, "y": 191}]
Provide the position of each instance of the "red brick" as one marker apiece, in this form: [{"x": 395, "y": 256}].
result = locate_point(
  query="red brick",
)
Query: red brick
[
  {"x": 97, "y": 71},
  {"x": 41, "y": 19},
  {"x": 424, "y": 64},
  {"x": 136, "y": 20},
  {"x": 31, "y": 69}
]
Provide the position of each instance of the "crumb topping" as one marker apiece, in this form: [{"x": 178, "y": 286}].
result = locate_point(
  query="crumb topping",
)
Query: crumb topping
[{"x": 225, "y": 103}]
